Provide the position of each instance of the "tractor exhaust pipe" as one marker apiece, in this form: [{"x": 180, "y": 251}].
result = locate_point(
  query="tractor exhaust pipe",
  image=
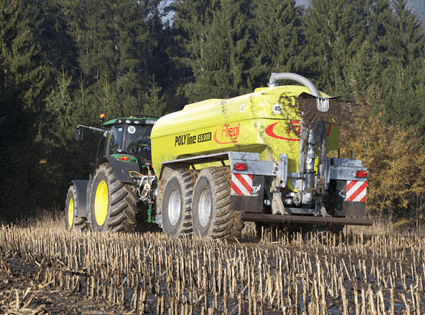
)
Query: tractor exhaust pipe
[{"x": 309, "y": 138}]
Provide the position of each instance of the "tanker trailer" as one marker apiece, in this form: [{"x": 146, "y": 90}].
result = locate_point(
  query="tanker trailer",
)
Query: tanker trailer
[{"x": 258, "y": 157}]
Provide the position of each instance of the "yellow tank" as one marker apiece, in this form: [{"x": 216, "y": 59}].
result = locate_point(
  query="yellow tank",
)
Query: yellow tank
[{"x": 245, "y": 123}]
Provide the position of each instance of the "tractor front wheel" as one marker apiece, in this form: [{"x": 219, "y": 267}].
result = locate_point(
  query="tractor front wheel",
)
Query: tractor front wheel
[
  {"x": 113, "y": 203},
  {"x": 72, "y": 221}
]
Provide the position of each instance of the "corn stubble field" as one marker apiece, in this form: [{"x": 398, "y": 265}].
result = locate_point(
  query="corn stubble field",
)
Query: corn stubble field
[{"x": 47, "y": 270}]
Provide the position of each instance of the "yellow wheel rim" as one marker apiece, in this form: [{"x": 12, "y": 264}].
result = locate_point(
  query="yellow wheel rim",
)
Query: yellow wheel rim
[
  {"x": 71, "y": 212},
  {"x": 101, "y": 203}
]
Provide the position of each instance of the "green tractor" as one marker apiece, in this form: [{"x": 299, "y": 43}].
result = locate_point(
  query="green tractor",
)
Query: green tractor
[{"x": 118, "y": 195}]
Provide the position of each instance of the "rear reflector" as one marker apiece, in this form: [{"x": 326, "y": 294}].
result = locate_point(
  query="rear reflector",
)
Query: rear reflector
[
  {"x": 362, "y": 174},
  {"x": 240, "y": 166},
  {"x": 123, "y": 158}
]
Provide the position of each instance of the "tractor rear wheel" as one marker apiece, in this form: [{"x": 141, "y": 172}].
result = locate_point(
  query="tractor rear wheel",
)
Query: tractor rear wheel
[
  {"x": 211, "y": 212},
  {"x": 113, "y": 203},
  {"x": 175, "y": 202},
  {"x": 72, "y": 221}
]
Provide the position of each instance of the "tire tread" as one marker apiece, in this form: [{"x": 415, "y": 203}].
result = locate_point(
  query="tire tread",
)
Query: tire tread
[
  {"x": 186, "y": 179},
  {"x": 226, "y": 223}
]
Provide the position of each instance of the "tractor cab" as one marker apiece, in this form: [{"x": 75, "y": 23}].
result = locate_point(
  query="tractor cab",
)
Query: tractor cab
[
  {"x": 129, "y": 139},
  {"x": 125, "y": 139},
  {"x": 129, "y": 136}
]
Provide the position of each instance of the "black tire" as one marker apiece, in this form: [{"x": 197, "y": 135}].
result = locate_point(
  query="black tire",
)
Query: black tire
[
  {"x": 211, "y": 212},
  {"x": 72, "y": 222},
  {"x": 330, "y": 203},
  {"x": 175, "y": 202},
  {"x": 113, "y": 205}
]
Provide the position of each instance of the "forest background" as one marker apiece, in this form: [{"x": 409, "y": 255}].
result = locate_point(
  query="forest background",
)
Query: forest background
[{"x": 62, "y": 62}]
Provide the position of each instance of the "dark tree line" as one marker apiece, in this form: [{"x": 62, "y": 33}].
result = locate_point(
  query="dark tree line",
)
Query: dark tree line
[{"x": 62, "y": 62}]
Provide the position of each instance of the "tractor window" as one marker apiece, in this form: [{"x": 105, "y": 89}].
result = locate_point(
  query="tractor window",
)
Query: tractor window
[
  {"x": 138, "y": 142},
  {"x": 115, "y": 139}
]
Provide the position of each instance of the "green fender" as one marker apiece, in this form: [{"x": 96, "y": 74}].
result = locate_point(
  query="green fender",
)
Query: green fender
[{"x": 120, "y": 169}]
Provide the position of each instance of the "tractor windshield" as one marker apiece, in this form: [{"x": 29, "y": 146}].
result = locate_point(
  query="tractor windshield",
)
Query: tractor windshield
[
  {"x": 130, "y": 139},
  {"x": 137, "y": 141}
]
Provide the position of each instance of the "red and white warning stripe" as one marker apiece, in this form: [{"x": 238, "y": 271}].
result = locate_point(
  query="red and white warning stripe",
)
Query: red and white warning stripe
[
  {"x": 356, "y": 190},
  {"x": 241, "y": 185}
]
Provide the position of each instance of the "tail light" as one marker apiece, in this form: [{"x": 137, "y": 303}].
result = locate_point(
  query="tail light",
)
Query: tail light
[
  {"x": 123, "y": 158},
  {"x": 361, "y": 174},
  {"x": 240, "y": 166}
]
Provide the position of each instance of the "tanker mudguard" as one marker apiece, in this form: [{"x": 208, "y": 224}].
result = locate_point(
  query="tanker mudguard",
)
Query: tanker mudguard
[
  {"x": 81, "y": 198},
  {"x": 120, "y": 169}
]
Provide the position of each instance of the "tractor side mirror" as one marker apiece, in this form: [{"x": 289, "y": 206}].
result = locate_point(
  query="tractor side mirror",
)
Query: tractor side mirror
[{"x": 78, "y": 134}]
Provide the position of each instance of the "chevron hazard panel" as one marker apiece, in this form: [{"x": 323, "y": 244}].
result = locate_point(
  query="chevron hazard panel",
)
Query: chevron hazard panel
[
  {"x": 242, "y": 185},
  {"x": 356, "y": 190}
]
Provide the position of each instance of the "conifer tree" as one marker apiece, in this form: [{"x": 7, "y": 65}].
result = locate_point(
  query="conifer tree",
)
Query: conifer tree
[
  {"x": 393, "y": 51},
  {"x": 218, "y": 48},
  {"x": 28, "y": 54},
  {"x": 155, "y": 103},
  {"x": 66, "y": 158},
  {"x": 117, "y": 42},
  {"x": 409, "y": 38},
  {"x": 334, "y": 32},
  {"x": 364, "y": 77},
  {"x": 277, "y": 34},
  {"x": 394, "y": 32}
]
